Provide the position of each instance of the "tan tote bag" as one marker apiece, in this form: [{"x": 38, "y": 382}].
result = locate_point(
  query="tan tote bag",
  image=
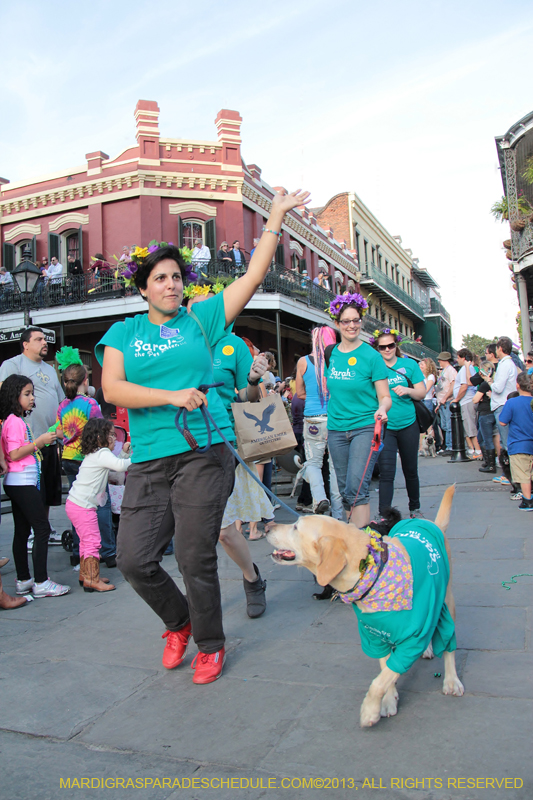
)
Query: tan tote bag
[{"x": 263, "y": 429}]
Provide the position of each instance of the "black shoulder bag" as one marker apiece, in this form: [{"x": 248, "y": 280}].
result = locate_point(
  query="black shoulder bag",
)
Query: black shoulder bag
[{"x": 424, "y": 416}]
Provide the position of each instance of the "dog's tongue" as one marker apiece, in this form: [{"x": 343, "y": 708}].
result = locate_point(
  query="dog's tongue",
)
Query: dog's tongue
[{"x": 286, "y": 555}]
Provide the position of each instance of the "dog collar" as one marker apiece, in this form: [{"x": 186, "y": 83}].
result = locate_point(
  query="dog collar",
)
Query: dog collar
[{"x": 370, "y": 568}]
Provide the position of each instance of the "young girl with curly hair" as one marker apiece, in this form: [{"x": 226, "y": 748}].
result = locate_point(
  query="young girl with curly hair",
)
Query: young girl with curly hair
[
  {"x": 89, "y": 491},
  {"x": 22, "y": 486}
]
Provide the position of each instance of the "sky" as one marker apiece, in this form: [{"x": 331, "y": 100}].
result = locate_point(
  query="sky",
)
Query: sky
[{"x": 399, "y": 102}]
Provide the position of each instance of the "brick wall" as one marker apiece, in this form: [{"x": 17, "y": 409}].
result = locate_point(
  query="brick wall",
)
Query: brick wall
[{"x": 336, "y": 214}]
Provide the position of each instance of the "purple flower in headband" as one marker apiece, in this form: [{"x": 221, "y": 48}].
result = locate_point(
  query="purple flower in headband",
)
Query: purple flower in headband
[
  {"x": 347, "y": 299},
  {"x": 386, "y": 332},
  {"x": 153, "y": 248}
]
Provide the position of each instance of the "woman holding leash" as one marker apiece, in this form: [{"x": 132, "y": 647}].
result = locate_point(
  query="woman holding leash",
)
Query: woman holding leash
[
  {"x": 359, "y": 396},
  {"x": 240, "y": 374},
  {"x": 406, "y": 382},
  {"x": 154, "y": 364}
]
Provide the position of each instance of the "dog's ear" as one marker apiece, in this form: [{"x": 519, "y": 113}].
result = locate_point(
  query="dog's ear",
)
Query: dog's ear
[{"x": 331, "y": 559}]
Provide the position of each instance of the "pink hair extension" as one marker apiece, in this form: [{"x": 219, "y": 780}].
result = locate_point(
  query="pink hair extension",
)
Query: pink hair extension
[{"x": 321, "y": 338}]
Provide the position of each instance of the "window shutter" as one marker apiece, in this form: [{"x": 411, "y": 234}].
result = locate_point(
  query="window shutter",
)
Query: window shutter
[
  {"x": 80, "y": 245},
  {"x": 180, "y": 231},
  {"x": 53, "y": 246},
  {"x": 8, "y": 256},
  {"x": 303, "y": 264},
  {"x": 280, "y": 255},
  {"x": 211, "y": 237},
  {"x": 34, "y": 249}
]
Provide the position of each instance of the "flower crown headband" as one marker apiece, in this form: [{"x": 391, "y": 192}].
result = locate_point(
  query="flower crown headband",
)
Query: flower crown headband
[
  {"x": 138, "y": 255},
  {"x": 347, "y": 299},
  {"x": 386, "y": 331},
  {"x": 193, "y": 289}
]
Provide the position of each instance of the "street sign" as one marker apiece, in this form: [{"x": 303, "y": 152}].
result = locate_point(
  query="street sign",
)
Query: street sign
[{"x": 14, "y": 336}]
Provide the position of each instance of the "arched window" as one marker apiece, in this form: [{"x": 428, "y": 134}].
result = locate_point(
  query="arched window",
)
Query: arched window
[{"x": 191, "y": 230}]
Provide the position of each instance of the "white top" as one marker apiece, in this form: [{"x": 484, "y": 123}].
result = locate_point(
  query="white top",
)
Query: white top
[
  {"x": 429, "y": 383},
  {"x": 461, "y": 379},
  {"x": 504, "y": 382},
  {"x": 201, "y": 254},
  {"x": 6, "y": 277},
  {"x": 89, "y": 488},
  {"x": 54, "y": 273}
]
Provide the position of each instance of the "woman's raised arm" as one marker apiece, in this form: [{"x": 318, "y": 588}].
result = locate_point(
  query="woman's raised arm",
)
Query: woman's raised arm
[{"x": 238, "y": 293}]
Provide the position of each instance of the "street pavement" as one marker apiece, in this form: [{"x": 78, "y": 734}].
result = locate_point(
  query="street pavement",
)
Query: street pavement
[{"x": 83, "y": 695}]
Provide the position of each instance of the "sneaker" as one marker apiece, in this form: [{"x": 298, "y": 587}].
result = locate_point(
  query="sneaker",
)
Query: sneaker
[
  {"x": 55, "y": 538},
  {"x": 477, "y": 454},
  {"x": 322, "y": 507},
  {"x": 517, "y": 496},
  {"x": 208, "y": 666},
  {"x": 276, "y": 507},
  {"x": 49, "y": 588},
  {"x": 526, "y": 505},
  {"x": 446, "y": 453},
  {"x": 30, "y": 542},
  {"x": 497, "y": 479},
  {"x": 23, "y": 587},
  {"x": 416, "y": 514},
  {"x": 176, "y": 646},
  {"x": 504, "y": 481}
]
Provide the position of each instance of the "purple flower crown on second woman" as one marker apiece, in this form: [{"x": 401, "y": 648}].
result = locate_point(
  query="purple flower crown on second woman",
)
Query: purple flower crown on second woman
[
  {"x": 386, "y": 331},
  {"x": 342, "y": 300}
]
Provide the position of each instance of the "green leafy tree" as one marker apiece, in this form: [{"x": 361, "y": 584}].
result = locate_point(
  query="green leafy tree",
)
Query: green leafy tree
[{"x": 477, "y": 344}]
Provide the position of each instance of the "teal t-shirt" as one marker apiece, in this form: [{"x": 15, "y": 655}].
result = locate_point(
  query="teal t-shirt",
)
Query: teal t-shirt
[
  {"x": 402, "y": 412},
  {"x": 231, "y": 363},
  {"x": 173, "y": 356},
  {"x": 352, "y": 395},
  {"x": 406, "y": 634}
]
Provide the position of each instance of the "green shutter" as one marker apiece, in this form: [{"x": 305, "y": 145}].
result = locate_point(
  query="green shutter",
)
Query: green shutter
[
  {"x": 180, "y": 231},
  {"x": 280, "y": 255},
  {"x": 303, "y": 264},
  {"x": 8, "y": 256},
  {"x": 80, "y": 245},
  {"x": 34, "y": 249},
  {"x": 53, "y": 246},
  {"x": 211, "y": 237}
]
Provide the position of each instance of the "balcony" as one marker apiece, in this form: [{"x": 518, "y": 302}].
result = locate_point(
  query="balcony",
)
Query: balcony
[
  {"x": 436, "y": 307},
  {"x": 86, "y": 289},
  {"x": 418, "y": 351},
  {"x": 381, "y": 285}
]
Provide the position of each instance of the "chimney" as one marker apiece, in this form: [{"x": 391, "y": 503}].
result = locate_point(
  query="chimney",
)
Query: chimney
[
  {"x": 229, "y": 135},
  {"x": 147, "y": 119},
  {"x": 94, "y": 162},
  {"x": 255, "y": 172}
]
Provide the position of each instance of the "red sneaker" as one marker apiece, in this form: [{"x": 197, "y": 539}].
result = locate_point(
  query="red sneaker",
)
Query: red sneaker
[
  {"x": 208, "y": 666},
  {"x": 176, "y": 646}
]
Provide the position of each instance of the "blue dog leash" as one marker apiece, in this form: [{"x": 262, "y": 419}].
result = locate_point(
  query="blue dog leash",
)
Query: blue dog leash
[{"x": 193, "y": 444}]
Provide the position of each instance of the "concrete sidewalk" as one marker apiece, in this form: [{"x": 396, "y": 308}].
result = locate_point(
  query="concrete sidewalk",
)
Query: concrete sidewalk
[{"x": 83, "y": 695}]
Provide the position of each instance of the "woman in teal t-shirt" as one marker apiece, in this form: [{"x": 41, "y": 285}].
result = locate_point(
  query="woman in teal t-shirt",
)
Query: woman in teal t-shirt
[
  {"x": 403, "y": 433},
  {"x": 358, "y": 395},
  {"x": 153, "y": 364},
  {"x": 241, "y": 375}
]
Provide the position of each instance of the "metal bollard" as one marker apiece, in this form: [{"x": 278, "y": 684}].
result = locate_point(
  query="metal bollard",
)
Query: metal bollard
[{"x": 458, "y": 435}]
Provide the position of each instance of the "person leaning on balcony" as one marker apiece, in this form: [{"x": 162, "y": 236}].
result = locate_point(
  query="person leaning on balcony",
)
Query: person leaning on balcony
[
  {"x": 237, "y": 256},
  {"x": 152, "y": 364},
  {"x": 224, "y": 260},
  {"x": 357, "y": 382},
  {"x": 321, "y": 279},
  {"x": 201, "y": 255},
  {"x": 54, "y": 272},
  {"x": 444, "y": 394}
]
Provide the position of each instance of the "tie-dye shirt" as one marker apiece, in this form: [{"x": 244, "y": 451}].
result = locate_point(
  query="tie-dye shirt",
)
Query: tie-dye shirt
[{"x": 73, "y": 416}]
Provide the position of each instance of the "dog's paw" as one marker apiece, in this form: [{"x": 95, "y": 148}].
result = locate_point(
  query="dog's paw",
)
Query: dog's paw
[
  {"x": 453, "y": 686},
  {"x": 428, "y": 652},
  {"x": 370, "y": 712},
  {"x": 389, "y": 704}
]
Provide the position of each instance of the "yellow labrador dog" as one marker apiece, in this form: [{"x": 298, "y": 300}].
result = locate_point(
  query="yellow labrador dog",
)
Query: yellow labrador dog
[{"x": 400, "y": 587}]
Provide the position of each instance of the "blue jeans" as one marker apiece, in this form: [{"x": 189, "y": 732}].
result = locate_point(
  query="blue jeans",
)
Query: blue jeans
[
  {"x": 503, "y": 430},
  {"x": 485, "y": 427},
  {"x": 315, "y": 443},
  {"x": 349, "y": 451},
  {"x": 446, "y": 424}
]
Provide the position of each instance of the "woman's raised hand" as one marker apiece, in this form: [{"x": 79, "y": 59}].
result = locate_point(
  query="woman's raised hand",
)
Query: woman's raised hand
[
  {"x": 286, "y": 202},
  {"x": 188, "y": 398}
]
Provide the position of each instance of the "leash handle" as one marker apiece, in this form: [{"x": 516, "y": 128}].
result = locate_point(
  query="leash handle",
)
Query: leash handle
[{"x": 184, "y": 430}]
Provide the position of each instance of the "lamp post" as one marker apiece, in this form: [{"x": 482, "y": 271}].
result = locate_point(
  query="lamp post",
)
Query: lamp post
[{"x": 26, "y": 275}]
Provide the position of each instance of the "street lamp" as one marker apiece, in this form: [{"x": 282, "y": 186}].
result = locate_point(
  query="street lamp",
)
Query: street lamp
[{"x": 26, "y": 275}]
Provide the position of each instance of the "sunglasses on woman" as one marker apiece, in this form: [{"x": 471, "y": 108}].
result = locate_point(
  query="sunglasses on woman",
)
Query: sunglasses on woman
[
  {"x": 391, "y": 346},
  {"x": 529, "y": 360}
]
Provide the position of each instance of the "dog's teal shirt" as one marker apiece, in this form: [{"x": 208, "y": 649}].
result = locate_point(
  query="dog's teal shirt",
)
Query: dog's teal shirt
[{"x": 406, "y": 634}]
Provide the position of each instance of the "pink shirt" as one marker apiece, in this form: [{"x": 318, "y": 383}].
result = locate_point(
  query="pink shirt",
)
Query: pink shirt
[{"x": 15, "y": 435}]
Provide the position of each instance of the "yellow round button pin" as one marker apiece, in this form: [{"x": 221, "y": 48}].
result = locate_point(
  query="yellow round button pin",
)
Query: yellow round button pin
[
  {"x": 228, "y": 350},
  {"x": 352, "y": 361}
]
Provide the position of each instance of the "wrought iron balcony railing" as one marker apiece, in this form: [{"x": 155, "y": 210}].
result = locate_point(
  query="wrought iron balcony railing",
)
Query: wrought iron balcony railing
[
  {"x": 375, "y": 275},
  {"x": 88, "y": 288},
  {"x": 436, "y": 307}
]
